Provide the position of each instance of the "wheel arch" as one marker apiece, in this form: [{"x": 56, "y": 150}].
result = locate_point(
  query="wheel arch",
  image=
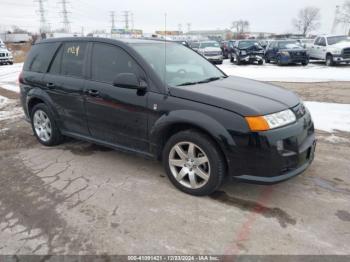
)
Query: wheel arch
[{"x": 181, "y": 120}]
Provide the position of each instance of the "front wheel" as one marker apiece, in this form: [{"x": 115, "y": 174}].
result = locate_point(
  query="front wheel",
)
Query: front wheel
[
  {"x": 305, "y": 63},
  {"x": 329, "y": 60},
  {"x": 44, "y": 125},
  {"x": 194, "y": 163}
]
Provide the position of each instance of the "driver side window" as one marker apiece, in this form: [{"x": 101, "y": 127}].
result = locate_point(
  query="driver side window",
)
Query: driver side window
[{"x": 108, "y": 61}]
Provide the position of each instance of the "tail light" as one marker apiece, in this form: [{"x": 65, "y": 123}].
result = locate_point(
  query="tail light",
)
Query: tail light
[{"x": 21, "y": 78}]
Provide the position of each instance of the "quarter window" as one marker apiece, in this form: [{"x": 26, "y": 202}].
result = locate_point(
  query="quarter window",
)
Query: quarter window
[
  {"x": 39, "y": 57},
  {"x": 108, "y": 61},
  {"x": 73, "y": 58}
]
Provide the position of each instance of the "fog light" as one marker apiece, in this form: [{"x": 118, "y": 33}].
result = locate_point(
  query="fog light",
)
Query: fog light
[{"x": 279, "y": 145}]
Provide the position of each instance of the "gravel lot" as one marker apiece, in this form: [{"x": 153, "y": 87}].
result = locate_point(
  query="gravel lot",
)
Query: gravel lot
[{"x": 80, "y": 198}]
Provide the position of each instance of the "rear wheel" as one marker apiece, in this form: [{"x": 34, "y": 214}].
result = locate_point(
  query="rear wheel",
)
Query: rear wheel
[
  {"x": 305, "y": 63},
  {"x": 193, "y": 163},
  {"x": 260, "y": 62},
  {"x": 44, "y": 126}
]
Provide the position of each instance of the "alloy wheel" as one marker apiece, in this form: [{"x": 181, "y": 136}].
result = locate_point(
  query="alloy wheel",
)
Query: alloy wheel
[
  {"x": 42, "y": 125},
  {"x": 189, "y": 165}
]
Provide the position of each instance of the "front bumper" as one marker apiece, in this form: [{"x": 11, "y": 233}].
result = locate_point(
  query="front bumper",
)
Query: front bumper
[
  {"x": 340, "y": 58},
  {"x": 6, "y": 60},
  {"x": 218, "y": 58},
  {"x": 292, "y": 60},
  {"x": 276, "y": 155},
  {"x": 252, "y": 58}
]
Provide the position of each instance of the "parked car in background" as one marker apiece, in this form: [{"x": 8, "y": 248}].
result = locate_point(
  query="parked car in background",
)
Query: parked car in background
[
  {"x": 285, "y": 52},
  {"x": 330, "y": 48},
  {"x": 202, "y": 124},
  {"x": 6, "y": 56},
  {"x": 195, "y": 46},
  {"x": 182, "y": 42},
  {"x": 211, "y": 50},
  {"x": 247, "y": 51},
  {"x": 305, "y": 43}
]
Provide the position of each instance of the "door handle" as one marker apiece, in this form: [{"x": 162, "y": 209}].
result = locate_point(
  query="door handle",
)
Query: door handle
[
  {"x": 92, "y": 92},
  {"x": 50, "y": 85}
]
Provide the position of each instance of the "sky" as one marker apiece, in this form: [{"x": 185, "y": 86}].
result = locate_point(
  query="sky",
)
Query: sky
[{"x": 273, "y": 16}]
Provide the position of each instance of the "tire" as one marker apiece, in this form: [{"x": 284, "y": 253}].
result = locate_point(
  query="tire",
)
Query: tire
[
  {"x": 47, "y": 133},
  {"x": 260, "y": 62},
  {"x": 305, "y": 63},
  {"x": 220, "y": 62},
  {"x": 214, "y": 168},
  {"x": 11, "y": 63},
  {"x": 329, "y": 60},
  {"x": 279, "y": 61},
  {"x": 237, "y": 61}
]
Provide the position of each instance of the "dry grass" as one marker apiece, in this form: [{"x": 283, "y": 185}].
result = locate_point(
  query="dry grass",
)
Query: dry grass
[{"x": 19, "y": 51}]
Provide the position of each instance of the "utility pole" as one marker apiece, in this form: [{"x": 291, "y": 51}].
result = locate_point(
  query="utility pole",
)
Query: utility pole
[
  {"x": 188, "y": 27},
  {"x": 126, "y": 19},
  {"x": 336, "y": 19},
  {"x": 132, "y": 20},
  {"x": 179, "y": 26},
  {"x": 44, "y": 27},
  {"x": 112, "y": 21},
  {"x": 65, "y": 20}
]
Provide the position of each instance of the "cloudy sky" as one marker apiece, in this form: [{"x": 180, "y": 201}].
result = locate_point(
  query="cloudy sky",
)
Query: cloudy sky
[{"x": 264, "y": 15}]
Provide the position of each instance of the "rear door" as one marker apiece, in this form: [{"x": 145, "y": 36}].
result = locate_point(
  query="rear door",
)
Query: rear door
[
  {"x": 65, "y": 84},
  {"x": 116, "y": 115}
]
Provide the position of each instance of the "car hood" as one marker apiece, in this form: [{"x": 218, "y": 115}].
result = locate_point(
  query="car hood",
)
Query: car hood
[
  {"x": 211, "y": 49},
  {"x": 240, "y": 95},
  {"x": 340, "y": 45}
]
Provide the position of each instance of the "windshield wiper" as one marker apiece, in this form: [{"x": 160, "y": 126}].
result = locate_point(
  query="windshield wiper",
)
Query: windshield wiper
[{"x": 210, "y": 79}]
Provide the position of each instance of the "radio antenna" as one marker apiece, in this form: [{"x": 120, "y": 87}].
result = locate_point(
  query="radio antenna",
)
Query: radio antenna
[{"x": 165, "y": 53}]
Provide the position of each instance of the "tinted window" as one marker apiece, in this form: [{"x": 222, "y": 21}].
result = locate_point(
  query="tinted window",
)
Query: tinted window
[
  {"x": 108, "y": 61},
  {"x": 73, "y": 58},
  {"x": 39, "y": 57}
]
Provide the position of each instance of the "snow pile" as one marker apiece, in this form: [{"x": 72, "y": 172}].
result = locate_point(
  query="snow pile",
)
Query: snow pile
[
  {"x": 330, "y": 117},
  {"x": 9, "y": 109},
  {"x": 293, "y": 73},
  {"x": 9, "y": 76}
]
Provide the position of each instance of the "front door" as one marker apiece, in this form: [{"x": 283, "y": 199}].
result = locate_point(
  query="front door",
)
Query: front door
[{"x": 115, "y": 115}]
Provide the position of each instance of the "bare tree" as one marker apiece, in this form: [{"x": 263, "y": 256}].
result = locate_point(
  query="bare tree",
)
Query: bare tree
[
  {"x": 240, "y": 26},
  {"x": 344, "y": 14},
  {"x": 308, "y": 20}
]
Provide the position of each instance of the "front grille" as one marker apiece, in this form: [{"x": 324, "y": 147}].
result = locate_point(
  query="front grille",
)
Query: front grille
[
  {"x": 298, "y": 55},
  {"x": 346, "y": 52},
  {"x": 214, "y": 53}
]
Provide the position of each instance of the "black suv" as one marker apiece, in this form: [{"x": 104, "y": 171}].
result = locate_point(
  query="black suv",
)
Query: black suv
[
  {"x": 285, "y": 52},
  {"x": 180, "y": 109},
  {"x": 247, "y": 51}
]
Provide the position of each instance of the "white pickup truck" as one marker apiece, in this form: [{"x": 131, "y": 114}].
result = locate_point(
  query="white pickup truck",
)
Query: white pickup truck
[
  {"x": 5, "y": 54},
  {"x": 332, "y": 49}
]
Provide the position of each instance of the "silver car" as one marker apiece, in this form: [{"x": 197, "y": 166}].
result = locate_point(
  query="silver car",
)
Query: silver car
[{"x": 211, "y": 51}]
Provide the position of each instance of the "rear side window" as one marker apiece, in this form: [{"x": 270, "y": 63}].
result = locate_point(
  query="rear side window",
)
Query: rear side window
[
  {"x": 39, "y": 57},
  {"x": 73, "y": 58},
  {"x": 108, "y": 61}
]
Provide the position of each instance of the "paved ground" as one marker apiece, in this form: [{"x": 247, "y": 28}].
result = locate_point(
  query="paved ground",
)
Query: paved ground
[{"x": 80, "y": 198}]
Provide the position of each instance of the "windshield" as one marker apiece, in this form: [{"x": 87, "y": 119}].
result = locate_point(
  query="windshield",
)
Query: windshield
[
  {"x": 289, "y": 45},
  {"x": 183, "y": 66},
  {"x": 336, "y": 39},
  {"x": 247, "y": 44},
  {"x": 209, "y": 44}
]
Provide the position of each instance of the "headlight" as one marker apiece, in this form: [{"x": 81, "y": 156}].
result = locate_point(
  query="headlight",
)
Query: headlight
[
  {"x": 285, "y": 53},
  {"x": 243, "y": 52},
  {"x": 264, "y": 123},
  {"x": 336, "y": 51}
]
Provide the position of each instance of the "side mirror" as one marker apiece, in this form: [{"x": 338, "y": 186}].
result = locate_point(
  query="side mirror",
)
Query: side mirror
[{"x": 130, "y": 81}]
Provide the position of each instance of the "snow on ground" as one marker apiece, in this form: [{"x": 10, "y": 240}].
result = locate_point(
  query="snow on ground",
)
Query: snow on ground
[
  {"x": 330, "y": 117},
  {"x": 9, "y": 76},
  {"x": 9, "y": 109},
  {"x": 314, "y": 72}
]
